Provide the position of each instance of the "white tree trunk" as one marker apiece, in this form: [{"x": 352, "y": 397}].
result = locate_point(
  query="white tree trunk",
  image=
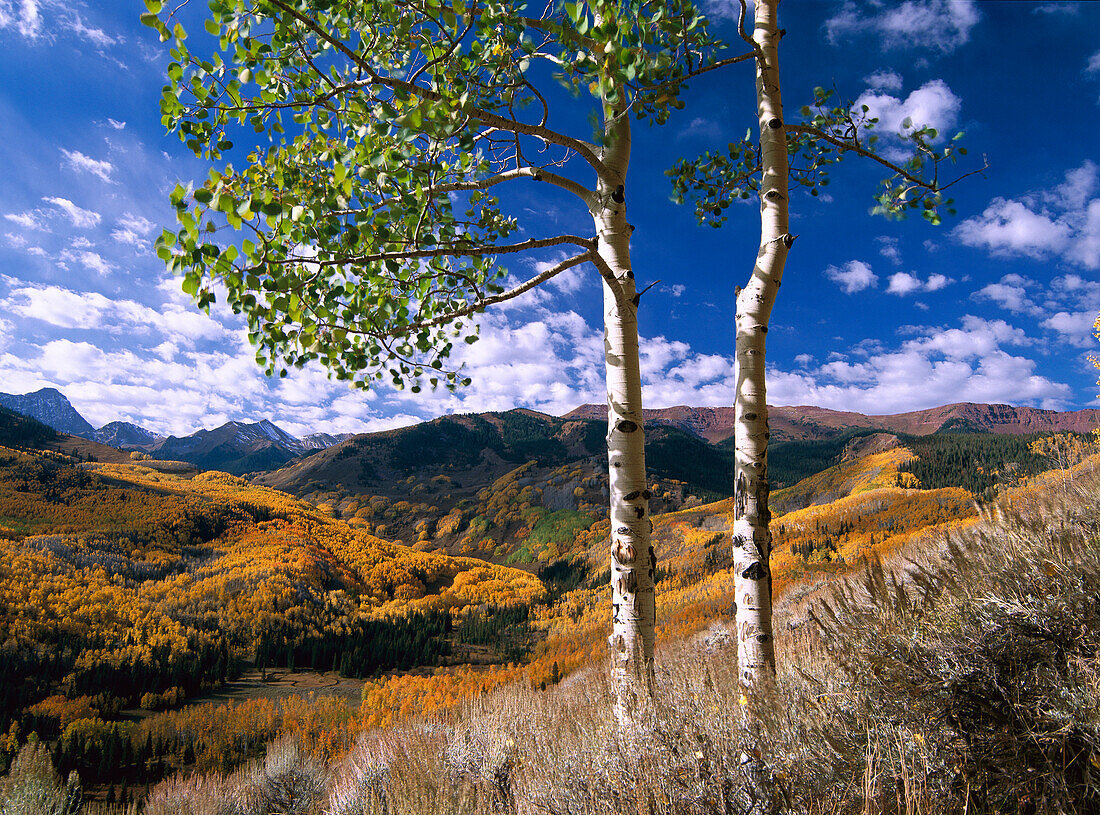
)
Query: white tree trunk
[
  {"x": 755, "y": 654},
  {"x": 632, "y": 559}
]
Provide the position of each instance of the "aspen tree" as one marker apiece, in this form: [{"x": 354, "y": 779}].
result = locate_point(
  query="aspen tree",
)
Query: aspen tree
[
  {"x": 800, "y": 151},
  {"x": 363, "y": 231}
]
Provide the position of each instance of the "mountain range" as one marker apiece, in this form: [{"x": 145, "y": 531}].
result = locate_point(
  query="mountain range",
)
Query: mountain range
[
  {"x": 694, "y": 453},
  {"x": 809, "y": 423},
  {"x": 235, "y": 447}
]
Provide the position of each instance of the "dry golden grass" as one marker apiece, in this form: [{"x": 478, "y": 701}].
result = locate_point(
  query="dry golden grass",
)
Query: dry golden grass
[{"x": 965, "y": 681}]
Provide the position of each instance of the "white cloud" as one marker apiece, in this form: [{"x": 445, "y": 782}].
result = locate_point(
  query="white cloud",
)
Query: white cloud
[
  {"x": 1013, "y": 227},
  {"x": 83, "y": 218},
  {"x": 726, "y": 10},
  {"x": 131, "y": 229},
  {"x": 85, "y": 164},
  {"x": 1086, "y": 246},
  {"x": 1075, "y": 328},
  {"x": 58, "y": 306},
  {"x": 33, "y": 19},
  {"x": 1063, "y": 7},
  {"x": 933, "y": 104},
  {"x": 700, "y": 127},
  {"x": 66, "y": 308},
  {"x": 888, "y": 248},
  {"x": 1061, "y": 221},
  {"x": 853, "y": 276},
  {"x": 117, "y": 125},
  {"x": 90, "y": 260},
  {"x": 1079, "y": 186},
  {"x": 1094, "y": 63},
  {"x": 903, "y": 283},
  {"x": 27, "y": 220},
  {"x": 1010, "y": 294},
  {"x": 940, "y": 367},
  {"x": 885, "y": 79},
  {"x": 939, "y": 25},
  {"x": 23, "y": 16},
  {"x": 96, "y": 36}
]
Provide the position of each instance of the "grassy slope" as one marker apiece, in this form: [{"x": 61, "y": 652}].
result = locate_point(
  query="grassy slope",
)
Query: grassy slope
[
  {"x": 967, "y": 684},
  {"x": 696, "y": 585}
]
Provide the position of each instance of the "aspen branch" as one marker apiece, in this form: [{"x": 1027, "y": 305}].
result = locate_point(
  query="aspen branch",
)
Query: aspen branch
[
  {"x": 446, "y": 251},
  {"x": 584, "y": 149},
  {"x": 860, "y": 150},
  {"x": 511, "y": 294},
  {"x": 535, "y": 173}
]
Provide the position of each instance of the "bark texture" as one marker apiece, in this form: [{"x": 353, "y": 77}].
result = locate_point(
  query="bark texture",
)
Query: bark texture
[
  {"x": 755, "y": 648},
  {"x": 632, "y": 558}
]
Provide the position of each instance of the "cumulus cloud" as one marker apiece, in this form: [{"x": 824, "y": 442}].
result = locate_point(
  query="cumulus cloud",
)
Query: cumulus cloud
[
  {"x": 83, "y": 218},
  {"x": 66, "y": 308},
  {"x": 939, "y": 25},
  {"x": 551, "y": 361},
  {"x": 1014, "y": 227},
  {"x": 1063, "y": 221},
  {"x": 1073, "y": 327},
  {"x": 1093, "y": 65},
  {"x": 933, "y": 104},
  {"x": 85, "y": 164},
  {"x": 854, "y": 276},
  {"x": 903, "y": 283},
  {"x": 939, "y": 366},
  {"x": 1011, "y": 294}
]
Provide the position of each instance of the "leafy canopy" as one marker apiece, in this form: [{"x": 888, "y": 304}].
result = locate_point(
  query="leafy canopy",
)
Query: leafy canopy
[{"x": 361, "y": 229}]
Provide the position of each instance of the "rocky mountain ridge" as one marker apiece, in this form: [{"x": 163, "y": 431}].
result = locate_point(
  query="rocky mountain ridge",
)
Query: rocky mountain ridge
[
  {"x": 49, "y": 406},
  {"x": 236, "y": 447},
  {"x": 806, "y": 422}
]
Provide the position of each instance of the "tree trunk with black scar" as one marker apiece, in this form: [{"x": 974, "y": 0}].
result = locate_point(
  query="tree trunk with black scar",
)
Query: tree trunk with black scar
[
  {"x": 752, "y": 537},
  {"x": 756, "y": 656},
  {"x": 632, "y": 558}
]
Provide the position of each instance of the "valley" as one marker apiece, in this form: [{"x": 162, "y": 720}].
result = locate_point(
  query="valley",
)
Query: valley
[{"x": 170, "y": 611}]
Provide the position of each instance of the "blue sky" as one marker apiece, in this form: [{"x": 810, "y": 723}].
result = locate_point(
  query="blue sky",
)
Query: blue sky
[{"x": 996, "y": 305}]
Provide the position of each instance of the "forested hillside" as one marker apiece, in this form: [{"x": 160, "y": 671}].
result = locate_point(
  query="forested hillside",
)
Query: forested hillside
[
  {"x": 128, "y": 588},
  {"x": 122, "y": 586},
  {"x": 514, "y": 487}
]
